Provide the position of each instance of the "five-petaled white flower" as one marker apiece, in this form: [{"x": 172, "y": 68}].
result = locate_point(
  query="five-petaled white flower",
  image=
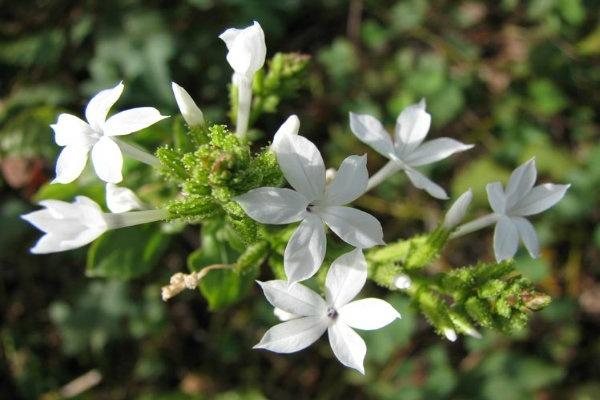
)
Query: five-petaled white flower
[
  {"x": 66, "y": 225},
  {"x": 408, "y": 149},
  {"x": 246, "y": 51},
  {"x": 98, "y": 135},
  {"x": 314, "y": 203},
  {"x": 336, "y": 314},
  {"x": 121, "y": 199},
  {"x": 520, "y": 199}
]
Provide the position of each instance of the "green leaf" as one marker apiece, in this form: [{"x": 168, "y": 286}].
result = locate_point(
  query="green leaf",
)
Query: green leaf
[{"x": 126, "y": 253}]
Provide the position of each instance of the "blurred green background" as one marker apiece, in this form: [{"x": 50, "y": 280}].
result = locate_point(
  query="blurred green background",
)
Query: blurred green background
[{"x": 517, "y": 78}]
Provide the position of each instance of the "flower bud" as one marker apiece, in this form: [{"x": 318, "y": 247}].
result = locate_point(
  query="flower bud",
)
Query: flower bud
[
  {"x": 450, "y": 334},
  {"x": 121, "y": 199},
  {"x": 457, "y": 212},
  {"x": 189, "y": 110},
  {"x": 247, "y": 50},
  {"x": 402, "y": 281}
]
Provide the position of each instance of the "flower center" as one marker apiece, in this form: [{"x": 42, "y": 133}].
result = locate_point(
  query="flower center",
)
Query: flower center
[
  {"x": 309, "y": 208},
  {"x": 332, "y": 313}
]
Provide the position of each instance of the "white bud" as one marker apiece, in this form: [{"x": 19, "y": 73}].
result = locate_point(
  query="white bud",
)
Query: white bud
[
  {"x": 457, "y": 212},
  {"x": 189, "y": 110},
  {"x": 121, "y": 199},
  {"x": 402, "y": 281},
  {"x": 246, "y": 50},
  {"x": 450, "y": 334}
]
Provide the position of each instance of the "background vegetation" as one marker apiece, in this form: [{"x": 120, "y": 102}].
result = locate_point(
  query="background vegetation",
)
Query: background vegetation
[{"x": 517, "y": 78}]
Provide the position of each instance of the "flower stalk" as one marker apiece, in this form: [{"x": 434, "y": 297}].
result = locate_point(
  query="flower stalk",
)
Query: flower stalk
[{"x": 137, "y": 154}]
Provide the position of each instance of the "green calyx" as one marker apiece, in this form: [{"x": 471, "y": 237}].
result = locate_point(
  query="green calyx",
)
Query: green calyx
[{"x": 209, "y": 178}]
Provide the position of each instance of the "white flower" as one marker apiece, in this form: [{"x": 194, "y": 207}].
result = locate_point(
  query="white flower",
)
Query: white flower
[
  {"x": 246, "y": 50},
  {"x": 121, "y": 199},
  {"x": 336, "y": 314},
  {"x": 408, "y": 149},
  {"x": 519, "y": 200},
  {"x": 313, "y": 203},
  {"x": 99, "y": 136},
  {"x": 457, "y": 211},
  {"x": 189, "y": 110},
  {"x": 66, "y": 225}
]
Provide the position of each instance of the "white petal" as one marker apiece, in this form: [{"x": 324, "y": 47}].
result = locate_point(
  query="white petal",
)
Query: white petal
[
  {"x": 44, "y": 220},
  {"x": 121, "y": 199},
  {"x": 528, "y": 236},
  {"x": 296, "y": 299},
  {"x": 70, "y": 163},
  {"x": 540, "y": 198},
  {"x": 98, "y": 107},
  {"x": 368, "y": 314},
  {"x": 269, "y": 205},
  {"x": 506, "y": 239},
  {"x": 293, "y": 335},
  {"x": 70, "y": 130},
  {"x": 450, "y": 334},
  {"x": 520, "y": 183},
  {"x": 247, "y": 48},
  {"x": 435, "y": 150},
  {"x": 302, "y": 165},
  {"x": 369, "y": 130},
  {"x": 47, "y": 244},
  {"x": 132, "y": 120},
  {"x": 412, "y": 126},
  {"x": 349, "y": 183},
  {"x": 353, "y": 226},
  {"x": 289, "y": 127},
  {"x": 305, "y": 251},
  {"x": 348, "y": 347},
  {"x": 345, "y": 278},
  {"x": 420, "y": 181},
  {"x": 107, "y": 160},
  {"x": 457, "y": 211},
  {"x": 496, "y": 197},
  {"x": 284, "y": 315},
  {"x": 189, "y": 110}
]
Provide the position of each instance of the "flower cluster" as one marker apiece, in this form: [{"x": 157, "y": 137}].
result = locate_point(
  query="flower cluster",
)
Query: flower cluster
[{"x": 318, "y": 202}]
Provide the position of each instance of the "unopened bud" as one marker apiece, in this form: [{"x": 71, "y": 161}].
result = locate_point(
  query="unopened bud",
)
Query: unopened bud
[
  {"x": 457, "y": 212},
  {"x": 402, "y": 281},
  {"x": 450, "y": 334},
  {"x": 189, "y": 110}
]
